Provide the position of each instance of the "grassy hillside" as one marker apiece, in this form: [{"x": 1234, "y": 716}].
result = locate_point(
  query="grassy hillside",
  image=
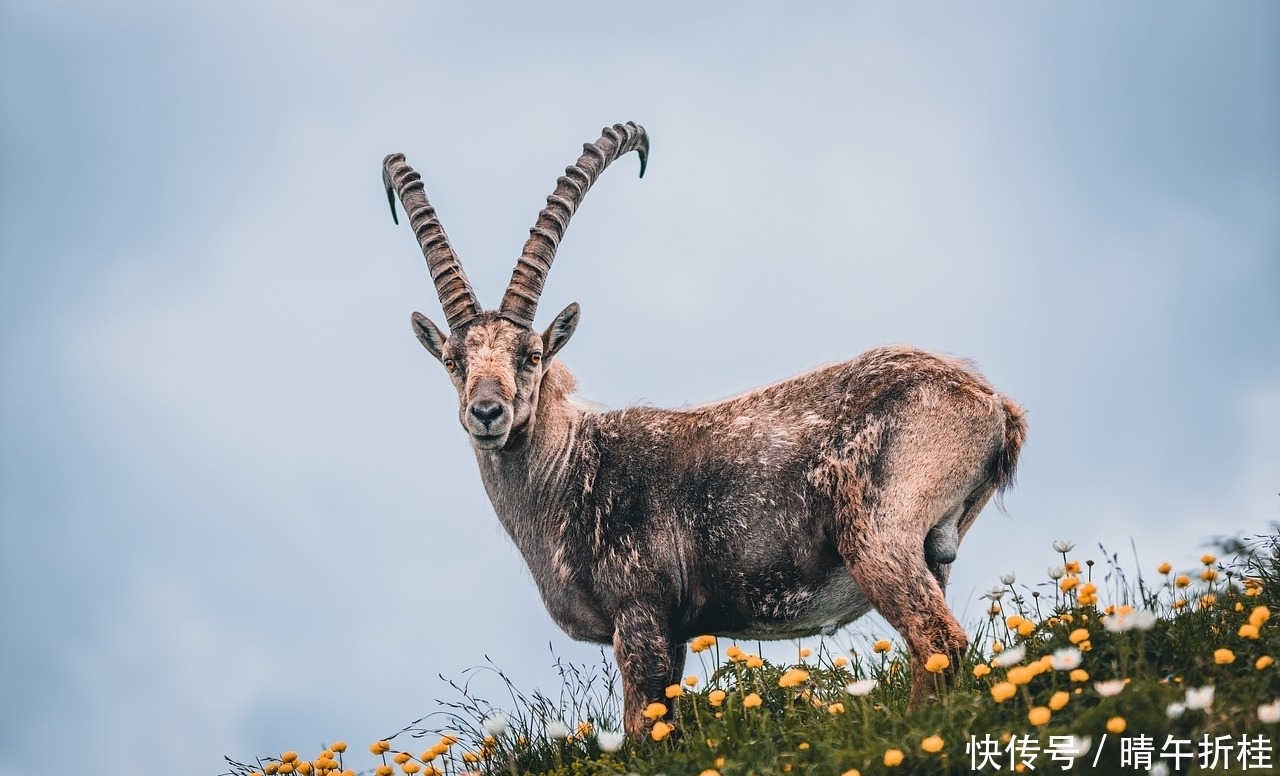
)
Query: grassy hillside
[{"x": 1087, "y": 669}]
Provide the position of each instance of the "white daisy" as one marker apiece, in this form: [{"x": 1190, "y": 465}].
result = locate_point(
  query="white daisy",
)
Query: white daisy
[
  {"x": 609, "y": 740},
  {"x": 860, "y": 688}
]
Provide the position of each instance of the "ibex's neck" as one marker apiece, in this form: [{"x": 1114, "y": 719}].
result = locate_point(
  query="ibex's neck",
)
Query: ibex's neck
[{"x": 528, "y": 480}]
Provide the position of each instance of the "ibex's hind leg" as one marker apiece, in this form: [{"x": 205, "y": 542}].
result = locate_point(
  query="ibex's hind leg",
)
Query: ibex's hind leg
[{"x": 887, "y": 561}]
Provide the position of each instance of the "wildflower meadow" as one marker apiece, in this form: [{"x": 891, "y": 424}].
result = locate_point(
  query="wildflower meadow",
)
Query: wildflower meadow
[{"x": 1090, "y": 669}]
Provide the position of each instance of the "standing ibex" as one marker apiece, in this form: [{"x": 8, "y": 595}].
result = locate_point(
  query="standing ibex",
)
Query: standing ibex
[{"x": 787, "y": 511}]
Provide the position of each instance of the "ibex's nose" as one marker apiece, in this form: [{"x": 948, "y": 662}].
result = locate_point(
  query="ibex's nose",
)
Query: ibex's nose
[{"x": 486, "y": 411}]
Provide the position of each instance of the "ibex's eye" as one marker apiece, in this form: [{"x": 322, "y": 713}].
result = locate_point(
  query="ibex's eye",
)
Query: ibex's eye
[
  {"x": 449, "y": 364},
  {"x": 535, "y": 358}
]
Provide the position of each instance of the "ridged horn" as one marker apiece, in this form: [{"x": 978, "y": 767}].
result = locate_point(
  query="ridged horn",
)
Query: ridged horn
[
  {"x": 520, "y": 302},
  {"x": 457, "y": 298}
]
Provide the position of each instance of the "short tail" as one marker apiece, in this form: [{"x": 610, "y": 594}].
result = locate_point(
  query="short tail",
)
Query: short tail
[{"x": 1004, "y": 465}]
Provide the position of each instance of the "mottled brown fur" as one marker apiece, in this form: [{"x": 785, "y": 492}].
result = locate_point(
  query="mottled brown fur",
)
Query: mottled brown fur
[{"x": 644, "y": 527}]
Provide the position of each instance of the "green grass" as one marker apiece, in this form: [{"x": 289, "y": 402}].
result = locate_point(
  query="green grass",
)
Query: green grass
[{"x": 798, "y": 730}]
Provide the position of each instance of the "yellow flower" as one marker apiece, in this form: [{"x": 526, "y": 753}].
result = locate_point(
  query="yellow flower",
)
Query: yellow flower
[
  {"x": 1178, "y": 604},
  {"x": 378, "y": 747},
  {"x": 893, "y": 758},
  {"x": 1013, "y": 621},
  {"x": 733, "y": 652},
  {"x": 584, "y": 730},
  {"x": 661, "y": 730},
  {"x": 1068, "y": 583},
  {"x": 1117, "y": 725},
  {"x": 1239, "y": 607},
  {"x": 1209, "y": 599},
  {"x": 1078, "y": 635},
  {"x": 401, "y": 758},
  {"x": 754, "y": 661},
  {"x": 1165, "y": 568},
  {"x": 836, "y": 708},
  {"x": 997, "y": 647},
  {"x": 1223, "y": 656},
  {"x": 1086, "y": 645},
  {"x": 1019, "y": 675},
  {"x": 751, "y": 701},
  {"x": 1263, "y": 662},
  {"x": 412, "y": 767},
  {"x": 882, "y": 645},
  {"x": 1072, "y": 567},
  {"x": 805, "y": 652},
  {"x": 803, "y": 746},
  {"x": 304, "y": 767},
  {"x": 715, "y": 697},
  {"x": 1058, "y": 700},
  {"x": 448, "y": 739},
  {"x": 1039, "y": 716},
  {"x": 291, "y": 755},
  {"x": 702, "y": 643},
  {"x": 932, "y": 744},
  {"x": 1088, "y": 595},
  {"x": 1208, "y": 560},
  {"x": 840, "y": 662},
  {"x": 270, "y": 769},
  {"x": 793, "y": 677},
  {"x": 1003, "y": 691},
  {"x": 1259, "y": 615},
  {"x": 1208, "y": 575},
  {"x": 1079, "y": 675},
  {"x": 1248, "y": 631},
  {"x": 440, "y": 748},
  {"x": 1027, "y": 626},
  {"x": 1182, "y": 580},
  {"x": 675, "y": 691},
  {"x": 937, "y": 663},
  {"x": 691, "y": 680},
  {"x": 710, "y": 772},
  {"x": 981, "y": 670},
  {"x": 852, "y": 772},
  {"x": 384, "y": 770}
]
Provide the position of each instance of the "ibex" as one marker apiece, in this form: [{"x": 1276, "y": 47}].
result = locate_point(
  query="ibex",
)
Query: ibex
[{"x": 787, "y": 511}]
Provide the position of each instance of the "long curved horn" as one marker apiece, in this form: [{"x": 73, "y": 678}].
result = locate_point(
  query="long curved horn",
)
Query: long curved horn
[
  {"x": 520, "y": 302},
  {"x": 457, "y": 298}
]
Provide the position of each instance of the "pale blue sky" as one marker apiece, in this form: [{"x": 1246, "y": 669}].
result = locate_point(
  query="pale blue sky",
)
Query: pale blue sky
[{"x": 236, "y": 511}]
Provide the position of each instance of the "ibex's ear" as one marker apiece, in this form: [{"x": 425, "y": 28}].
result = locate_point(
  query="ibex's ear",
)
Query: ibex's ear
[
  {"x": 430, "y": 336},
  {"x": 560, "y": 330}
]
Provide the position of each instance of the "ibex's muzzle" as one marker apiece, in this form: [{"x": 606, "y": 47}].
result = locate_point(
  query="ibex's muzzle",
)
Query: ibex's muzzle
[{"x": 487, "y": 417}]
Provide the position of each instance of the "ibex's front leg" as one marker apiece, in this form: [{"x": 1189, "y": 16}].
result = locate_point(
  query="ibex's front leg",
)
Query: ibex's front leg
[{"x": 649, "y": 661}]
